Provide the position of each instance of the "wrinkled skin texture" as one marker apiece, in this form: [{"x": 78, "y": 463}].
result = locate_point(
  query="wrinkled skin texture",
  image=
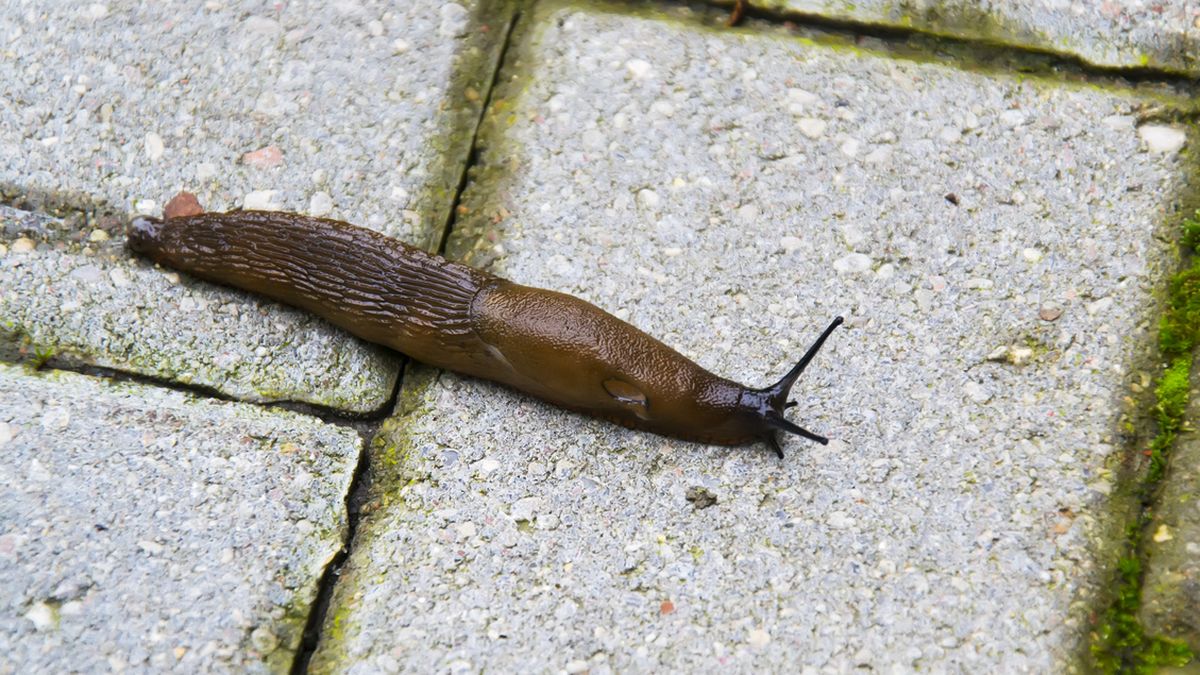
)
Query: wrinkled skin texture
[{"x": 548, "y": 344}]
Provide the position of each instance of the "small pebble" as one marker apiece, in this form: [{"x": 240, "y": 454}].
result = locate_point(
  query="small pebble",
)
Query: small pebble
[
  {"x": 853, "y": 263},
  {"x": 98, "y": 236},
  {"x": 811, "y": 127},
  {"x": 41, "y": 616},
  {"x": 23, "y": 245},
  {"x": 264, "y": 639},
  {"x": 648, "y": 199},
  {"x": 264, "y": 158},
  {"x": 790, "y": 243},
  {"x": 1031, "y": 255},
  {"x": 320, "y": 204},
  {"x": 1161, "y": 139},
  {"x": 154, "y": 146},
  {"x": 1049, "y": 312},
  {"x": 263, "y": 200},
  {"x": 758, "y": 638},
  {"x": 1163, "y": 534},
  {"x": 638, "y": 68}
]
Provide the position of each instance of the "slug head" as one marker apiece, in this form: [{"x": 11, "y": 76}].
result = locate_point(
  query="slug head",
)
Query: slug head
[{"x": 765, "y": 407}]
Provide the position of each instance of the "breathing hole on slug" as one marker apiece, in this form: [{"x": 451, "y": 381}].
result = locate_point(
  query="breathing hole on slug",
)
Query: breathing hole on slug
[{"x": 627, "y": 393}]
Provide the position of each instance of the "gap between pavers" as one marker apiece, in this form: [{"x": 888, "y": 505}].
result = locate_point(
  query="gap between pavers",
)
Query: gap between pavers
[
  {"x": 996, "y": 244},
  {"x": 147, "y": 529},
  {"x": 1171, "y": 585},
  {"x": 359, "y": 110},
  {"x": 1161, "y": 36}
]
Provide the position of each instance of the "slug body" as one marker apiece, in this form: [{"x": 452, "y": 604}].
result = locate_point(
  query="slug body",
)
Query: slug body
[{"x": 548, "y": 344}]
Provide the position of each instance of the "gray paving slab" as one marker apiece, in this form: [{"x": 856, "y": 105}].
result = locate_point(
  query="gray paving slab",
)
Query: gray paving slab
[
  {"x": 995, "y": 244},
  {"x": 1124, "y": 34},
  {"x": 147, "y": 530},
  {"x": 90, "y": 303},
  {"x": 1171, "y": 586},
  {"x": 357, "y": 110}
]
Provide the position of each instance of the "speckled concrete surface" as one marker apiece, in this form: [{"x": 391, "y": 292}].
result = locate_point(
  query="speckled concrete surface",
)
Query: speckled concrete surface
[
  {"x": 145, "y": 530},
  {"x": 1171, "y": 586},
  {"x": 357, "y": 110},
  {"x": 995, "y": 244},
  {"x": 90, "y": 303},
  {"x": 1126, "y": 33}
]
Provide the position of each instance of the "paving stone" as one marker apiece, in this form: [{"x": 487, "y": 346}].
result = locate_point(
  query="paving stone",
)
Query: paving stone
[
  {"x": 90, "y": 303},
  {"x": 1171, "y": 586},
  {"x": 1159, "y": 35},
  {"x": 146, "y": 529},
  {"x": 994, "y": 243},
  {"x": 358, "y": 110}
]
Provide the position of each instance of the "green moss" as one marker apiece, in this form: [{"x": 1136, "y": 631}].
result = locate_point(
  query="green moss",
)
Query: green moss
[{"x": 1120, "y": 643}]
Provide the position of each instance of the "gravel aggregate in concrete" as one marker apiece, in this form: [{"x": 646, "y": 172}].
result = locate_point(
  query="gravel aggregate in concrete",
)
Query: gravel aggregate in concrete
[
  {"x": 359, "y": 110},
  {"x": 1171, "y": 585},
  {"x": 89, "y": 302},
  {"x": 1125, "y": 34},
  {"x": 994, "y": 243},
  {"x": 124, "y": 103},
  {"x": 146, "y": 530}
]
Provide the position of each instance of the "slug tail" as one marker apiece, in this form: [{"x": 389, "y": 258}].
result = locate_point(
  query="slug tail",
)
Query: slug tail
[{"x": 144, "y": 234}]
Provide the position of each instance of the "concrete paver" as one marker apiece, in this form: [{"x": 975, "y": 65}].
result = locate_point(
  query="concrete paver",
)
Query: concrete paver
[
  {"x": 359, "y": 110},
  {"x": 148, "y": 530},
  {"x": 995, "y": 244},
  {"x": 90, "y": 303},
  {"x": 1125, "y": 34}
]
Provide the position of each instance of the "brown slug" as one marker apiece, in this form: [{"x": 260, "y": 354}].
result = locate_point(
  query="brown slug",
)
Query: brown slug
[{"x": 551, "y": 345}]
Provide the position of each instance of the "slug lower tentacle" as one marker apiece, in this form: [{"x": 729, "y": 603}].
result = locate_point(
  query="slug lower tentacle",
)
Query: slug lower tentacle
[{"x": 548, "y": 344}]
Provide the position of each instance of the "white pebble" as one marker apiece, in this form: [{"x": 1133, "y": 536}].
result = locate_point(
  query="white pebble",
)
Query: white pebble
[
  {"x": 812, "y": 127},
  {"x": 950, "y": 135},
  {"x": 880, "y": 154},
  {"x": 852, "y": 235},
  {"x": 41, "y": 616},
  {"x": 850, "y": 148},
  {"x": 1162, "y": 139},
  {"x": 97, "y": 10},
  {"x": 885, "y": 271},
  {"x": 146, "y": 207},
  {"x": 758, "y": 638},
  {"x": 747, "y": 213},
  {"x": 154, "y": 146},
  {"x": 1099, "y": 306},
  {"x": 638, "y": 68},
  {"x": 853, "y": 263},
  {"x": 524, "y": 509},
  {"x": 838, "y": 520},
  {"x": 980, "y": 284},
  {"x": 7, "y": 433},
  {"x": 205, "y": 170},
  {"x": 486, "y": 466},
  {"x": 801, "y": 96},
  {"x": 1012, "y": 118},
  {"x": 648, "y": 198},
  {"x": 320, "y": 204},
  {"x": 262, "y": 200},
  {"x": 1031, "y": 255},
  {"x": 663, "y": 108},
  {"x": 976, "y": 392},
  {"x": 790, "y": 243},
  {"x": 23, "y": 245}
]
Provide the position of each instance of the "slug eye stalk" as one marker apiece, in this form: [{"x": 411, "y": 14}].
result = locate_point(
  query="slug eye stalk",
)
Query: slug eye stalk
[{"x": 776, "y": 397}]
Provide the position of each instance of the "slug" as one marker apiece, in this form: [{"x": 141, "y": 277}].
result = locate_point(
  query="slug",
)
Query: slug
[{"x": 550, "y": 345}]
